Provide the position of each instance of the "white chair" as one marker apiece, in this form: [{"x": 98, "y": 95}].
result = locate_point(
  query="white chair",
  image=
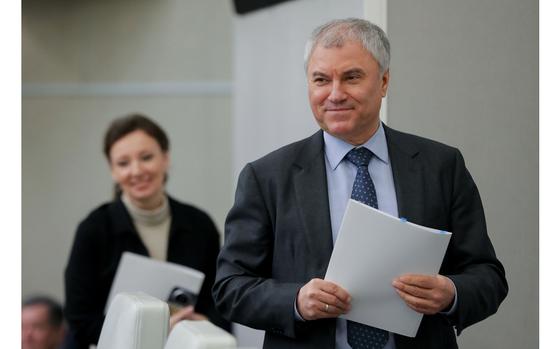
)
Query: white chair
[
  {"x": 188, "y": 334},
  {"x": 135, "y": 321}
]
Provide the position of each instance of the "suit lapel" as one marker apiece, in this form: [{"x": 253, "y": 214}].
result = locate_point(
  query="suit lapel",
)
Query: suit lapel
[
  {"x": 407, "y": 176},
  {"x": 312, "y": 199}
]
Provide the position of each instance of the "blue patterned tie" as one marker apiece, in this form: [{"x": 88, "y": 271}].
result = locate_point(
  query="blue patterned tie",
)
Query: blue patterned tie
[{"x": 362, "y": 336}]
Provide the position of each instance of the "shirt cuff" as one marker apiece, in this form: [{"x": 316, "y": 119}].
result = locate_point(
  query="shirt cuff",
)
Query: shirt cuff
[
  {"x": 296, "y": 312},
  {"x": 454, "y": 306}
]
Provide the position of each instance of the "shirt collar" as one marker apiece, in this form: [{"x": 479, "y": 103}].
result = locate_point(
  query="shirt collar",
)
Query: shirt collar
[{"x": 336, "y": 149}]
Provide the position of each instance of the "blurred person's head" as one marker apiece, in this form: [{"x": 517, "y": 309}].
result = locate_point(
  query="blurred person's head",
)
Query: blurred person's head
[
  {"x": 138, "y": 153},
  {"x": 42, "y": 324}
]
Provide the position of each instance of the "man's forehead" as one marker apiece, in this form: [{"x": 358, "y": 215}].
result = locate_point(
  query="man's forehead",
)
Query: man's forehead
[
  {"x": 347, "y": 57},
  {"x": 338, "y": 45},
  {"x": 35, "y": 309}
]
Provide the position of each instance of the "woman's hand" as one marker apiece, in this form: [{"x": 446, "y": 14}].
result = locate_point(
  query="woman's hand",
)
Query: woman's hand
[{"x": 186, "y": 313}]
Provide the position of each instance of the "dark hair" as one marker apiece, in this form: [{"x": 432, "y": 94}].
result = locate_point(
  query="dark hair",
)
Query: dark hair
[
  {"x": 53, "y": 307},
  {"x": 124, "y": 125}
]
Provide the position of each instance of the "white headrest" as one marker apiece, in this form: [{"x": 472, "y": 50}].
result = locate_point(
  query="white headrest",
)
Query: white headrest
[
  {"x": 199, "y": 335},
  {"x": 135, "y": 321}
]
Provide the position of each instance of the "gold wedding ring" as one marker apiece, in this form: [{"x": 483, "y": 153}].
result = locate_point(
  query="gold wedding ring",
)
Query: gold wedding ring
[{"x": 326, "y": 308}]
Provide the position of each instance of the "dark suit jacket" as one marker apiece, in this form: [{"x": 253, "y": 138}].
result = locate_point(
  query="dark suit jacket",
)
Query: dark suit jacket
[
  {"x": 99, "y": 243},
  {"x": 278, "y": 237}
]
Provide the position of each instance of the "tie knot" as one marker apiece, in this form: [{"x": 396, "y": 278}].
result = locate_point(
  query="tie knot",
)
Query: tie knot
[{"x": 359, "y": 156}]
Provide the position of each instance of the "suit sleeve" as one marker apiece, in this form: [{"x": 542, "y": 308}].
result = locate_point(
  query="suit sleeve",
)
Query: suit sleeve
[
  {"x": 472, "y": 264},
  {"x": 245, "y": 291},
  {"x": 84, "y": 308}
]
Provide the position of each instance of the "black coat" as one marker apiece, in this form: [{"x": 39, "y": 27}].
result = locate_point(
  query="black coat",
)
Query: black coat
[
  {"x": 278, "y": 237},
  {"x": 98, "y": 245}
]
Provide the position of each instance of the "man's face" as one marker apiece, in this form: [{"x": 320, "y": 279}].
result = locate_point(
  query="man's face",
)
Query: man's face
[
  {"x": 36, "y": 331},
  {"x": 345, "y": 91}
]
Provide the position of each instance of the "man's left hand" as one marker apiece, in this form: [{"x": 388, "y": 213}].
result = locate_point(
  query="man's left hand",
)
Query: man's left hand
[{"x": 426, "y": 294}]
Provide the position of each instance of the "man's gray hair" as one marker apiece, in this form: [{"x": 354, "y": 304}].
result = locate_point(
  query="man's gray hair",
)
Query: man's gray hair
[{"x": 340, "y": 31}]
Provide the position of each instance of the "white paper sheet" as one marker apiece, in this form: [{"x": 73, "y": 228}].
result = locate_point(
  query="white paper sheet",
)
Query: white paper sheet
[
  {"x": 372, "y": 249},
  {"x": 153, "y": 277}
]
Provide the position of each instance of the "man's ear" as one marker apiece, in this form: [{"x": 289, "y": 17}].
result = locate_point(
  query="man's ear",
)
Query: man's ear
[{"x": 385, "y": 82}]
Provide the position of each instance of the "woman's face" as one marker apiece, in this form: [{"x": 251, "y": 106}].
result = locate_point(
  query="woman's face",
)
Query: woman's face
[{"x": 138, "y": 165}]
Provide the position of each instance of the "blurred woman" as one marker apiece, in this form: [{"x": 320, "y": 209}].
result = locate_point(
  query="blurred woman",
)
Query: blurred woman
[{"x": 142, "y": 219}]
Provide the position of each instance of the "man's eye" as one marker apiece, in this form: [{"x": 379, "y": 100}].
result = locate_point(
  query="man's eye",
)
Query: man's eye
[
  {"x": 122, "y": 163},
  {"x": 320, "y": 81},
  {"x": 147, "y": 157}
]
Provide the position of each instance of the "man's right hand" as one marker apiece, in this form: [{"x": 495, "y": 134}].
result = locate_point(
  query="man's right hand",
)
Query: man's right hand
[{"x": 319, "y": 299}]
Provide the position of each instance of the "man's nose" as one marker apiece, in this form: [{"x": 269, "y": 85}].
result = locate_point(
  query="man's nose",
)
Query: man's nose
[{"x": 337, "y": 93}]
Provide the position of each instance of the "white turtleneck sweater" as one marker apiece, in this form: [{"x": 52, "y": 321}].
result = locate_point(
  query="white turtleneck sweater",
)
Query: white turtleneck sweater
[{"x": 152, "y": 226}]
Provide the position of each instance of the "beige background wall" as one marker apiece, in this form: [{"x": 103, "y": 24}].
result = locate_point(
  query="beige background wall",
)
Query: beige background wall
[
  {"x": 86, "y": 62},
  {"x": 466, "y": 73}
]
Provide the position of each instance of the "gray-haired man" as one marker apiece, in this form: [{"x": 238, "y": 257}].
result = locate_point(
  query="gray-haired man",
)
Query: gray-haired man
[{"x": 289, "y": 205}]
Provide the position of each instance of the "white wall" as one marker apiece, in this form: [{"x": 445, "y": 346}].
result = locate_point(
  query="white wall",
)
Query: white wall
[
  {"x": 86, "y": 62},
  {"x": 466, "y": 73}
]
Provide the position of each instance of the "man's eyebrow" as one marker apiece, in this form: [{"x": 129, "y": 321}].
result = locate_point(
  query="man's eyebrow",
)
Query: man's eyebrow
[
  {"x": 354, "y": 71},
  {"x": 318, "y": 73}
]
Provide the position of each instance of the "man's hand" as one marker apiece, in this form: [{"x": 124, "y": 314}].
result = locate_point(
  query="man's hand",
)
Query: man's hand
[
  {"x": 319, "y": 299},
  {"x": 426, "y": 294}
]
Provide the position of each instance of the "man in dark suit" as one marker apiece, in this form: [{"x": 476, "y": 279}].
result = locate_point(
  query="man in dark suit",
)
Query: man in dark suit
[{"x": 289, "y": 205}]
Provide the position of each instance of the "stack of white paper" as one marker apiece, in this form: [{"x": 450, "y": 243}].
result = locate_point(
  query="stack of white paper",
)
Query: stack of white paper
[{"x": 372, "y": 249}]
